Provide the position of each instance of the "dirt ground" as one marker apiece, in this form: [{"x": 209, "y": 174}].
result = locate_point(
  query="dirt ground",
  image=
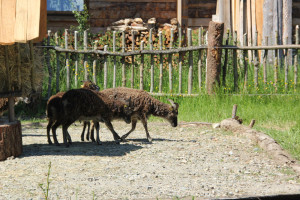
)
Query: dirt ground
[{"x": 185, "y": 162}]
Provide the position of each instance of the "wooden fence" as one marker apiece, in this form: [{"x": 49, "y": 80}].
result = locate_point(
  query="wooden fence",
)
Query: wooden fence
[{"x": 240, "y": 60}]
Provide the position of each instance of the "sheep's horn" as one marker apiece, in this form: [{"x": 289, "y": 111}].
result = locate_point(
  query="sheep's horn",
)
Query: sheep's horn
[{"x": 174, "y": 105}]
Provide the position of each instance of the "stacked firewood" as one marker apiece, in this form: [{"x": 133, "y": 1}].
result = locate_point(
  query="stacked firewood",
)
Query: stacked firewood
[{"x": 137, "y": 30}]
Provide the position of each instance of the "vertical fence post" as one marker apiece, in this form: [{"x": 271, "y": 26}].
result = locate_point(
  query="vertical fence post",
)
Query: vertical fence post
[
  {"x": 276, "y": 62},
  {"x": 256, "y": 62},
  {"x": 265, "y": 61},
  {"x": 67, "y": 60},
  {"x": 19, "y": 67},
  {"x": 151, "y": 62},
  {"x": 286, "y": 66},
  {"x": 123, "y": 61},
  {"x": 296, "y": 58},
  {"x": 200, "y": 35},
  {"x": 224, "y": 70},
  {"x": 235, "y": 75},
  {"x": 180, "y": 61},
  {"x": 132, "y": 66},
  {"x": 170, "y": 63},
  {"x": 85, "y": 62},
  {"x": 115, "y": 59},
  {"x": 142, "y": 68},
  {"x": 57, "y": 64},
  {"x": 76, "y": 59},
  {"x": 190, "y": 79},
  {"x": 95, "y": 63},
  {"x": 48, "y": 63},
  {"x": 245, "y": 62},
  {"x": 160, "y": 63},
  {"x": 105, "y": 69}
]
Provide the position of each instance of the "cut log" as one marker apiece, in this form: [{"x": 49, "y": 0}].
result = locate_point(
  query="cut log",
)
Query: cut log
[{"x": 10, "y": 140}]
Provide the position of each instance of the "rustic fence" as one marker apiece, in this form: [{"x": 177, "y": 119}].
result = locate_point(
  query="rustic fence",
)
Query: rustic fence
[{"x": 243, "y": 59}]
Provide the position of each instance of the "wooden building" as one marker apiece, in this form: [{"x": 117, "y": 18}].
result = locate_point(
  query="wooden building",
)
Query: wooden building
[{"x": 191, "y": 13}]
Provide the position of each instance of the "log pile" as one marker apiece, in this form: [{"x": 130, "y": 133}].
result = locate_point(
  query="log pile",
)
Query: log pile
[{"x": 141, "y": 31}]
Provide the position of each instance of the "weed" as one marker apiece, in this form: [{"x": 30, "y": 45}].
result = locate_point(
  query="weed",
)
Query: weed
[{"x": 47, "y": 188}]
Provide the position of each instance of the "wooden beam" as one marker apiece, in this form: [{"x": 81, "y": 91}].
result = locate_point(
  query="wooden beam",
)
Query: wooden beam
[{"x": 179, "y": 12}]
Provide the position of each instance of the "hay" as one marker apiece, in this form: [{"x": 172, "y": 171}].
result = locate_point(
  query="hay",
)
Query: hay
[{"x": 30, "y": 82}]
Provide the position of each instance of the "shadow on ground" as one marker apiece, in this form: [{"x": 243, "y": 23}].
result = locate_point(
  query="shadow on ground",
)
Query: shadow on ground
[{"x": 79, "y": 149}]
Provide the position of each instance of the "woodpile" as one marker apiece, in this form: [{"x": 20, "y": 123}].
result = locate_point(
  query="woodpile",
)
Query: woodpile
[{"x": 138, "y": 30}]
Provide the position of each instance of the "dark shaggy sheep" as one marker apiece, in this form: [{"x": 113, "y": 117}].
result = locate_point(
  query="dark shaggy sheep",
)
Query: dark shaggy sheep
[
  {"x": 144, "y": 105},
  {"x": 54, "y": 111},
  {"x": 82, "y": 104}
]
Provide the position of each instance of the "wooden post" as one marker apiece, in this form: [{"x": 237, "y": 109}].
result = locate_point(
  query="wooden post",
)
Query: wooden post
[
  {"x": 95, "y": 64},
  {"x": 160, "y": 62},
  {"x": 123, "y": 61},
  {"x": 265, "y": 61},
  {"x": 235, "y": 72},
  {"x": 11, "y": 102},
  {"x": 32, "y": 66},
  {"x": 105, "y": 69},
  {"x": 85, "y": 62},
  {"x": 19, "y": 66},
  {"x": 190, "y": 79},
  {"x": 286, "y": 66},
  {"x": 224, "y": 70},
  {"x": 234, "y": 110},
  {"x": 296, "y": 58},
  {"x": 142, "y": 68},
  {"x": 115, "y": 61},
  {"x": 287, "y": 10},
  {"x": 215, "y": 36},
  {"x": 170, "y": 63},
  {"x": 245, "y": 62},
  {"x": 200, "y": 37},
  {"x": 57, "y": 64},
  {"x": 132, "y": 66},
  {"x": 76, "y": 59},
  {"x": 180, "y": 61},
  {"x": 67, "y": 60},
  {"x": 276, "y": 62},
  {"x": 48, "y": 63},
  {"x": 151, "y": 62},
  {"x": 256, "y": 62}
]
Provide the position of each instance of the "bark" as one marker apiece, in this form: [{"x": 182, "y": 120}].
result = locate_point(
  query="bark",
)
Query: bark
[
  {"x": 215, "y": 37},
  {"x": 10, "y": 140}
]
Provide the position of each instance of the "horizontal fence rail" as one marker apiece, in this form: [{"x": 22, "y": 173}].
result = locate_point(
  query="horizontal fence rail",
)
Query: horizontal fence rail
[{"x": 185, "y": 66}]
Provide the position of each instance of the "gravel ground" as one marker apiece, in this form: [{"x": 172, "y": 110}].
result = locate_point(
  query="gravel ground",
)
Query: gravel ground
[{"x": 187, "y": 161}]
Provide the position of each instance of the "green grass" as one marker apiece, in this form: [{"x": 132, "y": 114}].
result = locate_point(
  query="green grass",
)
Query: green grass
[{"x": 276, "y": 115}]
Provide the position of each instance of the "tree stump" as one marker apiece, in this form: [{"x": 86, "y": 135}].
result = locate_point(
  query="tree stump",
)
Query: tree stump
[
  {"x": 10, "y": 140},
  {"x": 214, "y": 55}
]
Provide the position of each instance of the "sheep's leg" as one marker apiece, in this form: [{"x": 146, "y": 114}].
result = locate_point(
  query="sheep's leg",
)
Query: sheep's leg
[
  {"x": 83, "y": 130},
  {"x": 97, "y": 126},
  {"x": 88, "y": 131},
  {"x": 92, "y": 133},
  {"x": 50, "y": 123},
  {"x": 110, "y": 127},
  {"x": 134, "y": 121},
  {"x": 65, "y": 133},
  {"x": 144, "y": 121},
  {"x": 54, "y": 127}
]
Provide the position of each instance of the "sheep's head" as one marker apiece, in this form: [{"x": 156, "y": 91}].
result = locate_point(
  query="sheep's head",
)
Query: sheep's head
[
  {"x": 90, "y": 85},
  {"x": 172, "y": 113},
  {"x": 127, "y": 110}
]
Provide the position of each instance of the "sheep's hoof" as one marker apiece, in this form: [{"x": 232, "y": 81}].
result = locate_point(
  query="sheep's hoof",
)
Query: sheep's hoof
[
  {"x": 117, "y": 142},
  {"x": 82, "y": 139},
  {"x": 149, "y": 139},
  {"x": 99, "y": 143},
  {"x": 49, "y": 142},
  {"x": 123, "y": 139},
  {"x": 67, "y": 145}
]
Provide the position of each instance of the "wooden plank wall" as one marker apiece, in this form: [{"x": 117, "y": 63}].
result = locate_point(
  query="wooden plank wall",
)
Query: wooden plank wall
[
  {"x": 200, "y": 12},
  {"x": 105, "y": 12}
]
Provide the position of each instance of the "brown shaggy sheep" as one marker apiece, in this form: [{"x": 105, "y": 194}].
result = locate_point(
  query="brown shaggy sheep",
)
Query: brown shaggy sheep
[
  {"x": 82, "y": 104},
  {"x": 144, "y": 105},
  {"x": 54, "y": 111}
]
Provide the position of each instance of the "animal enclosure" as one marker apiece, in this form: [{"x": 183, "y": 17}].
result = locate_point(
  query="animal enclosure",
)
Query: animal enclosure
[{"x": 176, "y": 69}]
